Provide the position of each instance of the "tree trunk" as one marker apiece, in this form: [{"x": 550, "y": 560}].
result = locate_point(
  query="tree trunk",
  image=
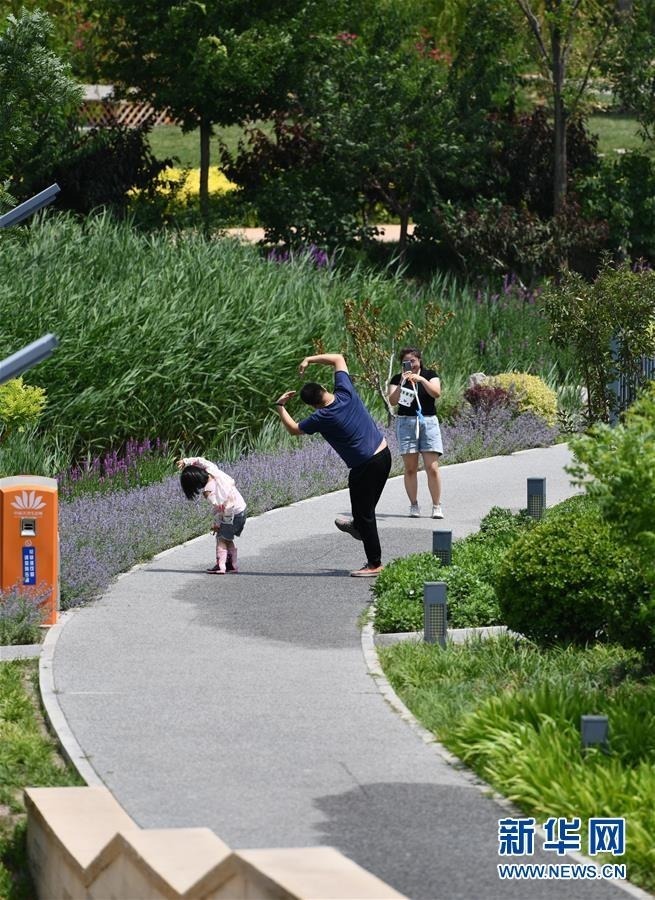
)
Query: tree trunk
[
  {"x": 205, "y": 134},
  {"x": 559, "y": 125},
  {"x": 402, "y": 237}
]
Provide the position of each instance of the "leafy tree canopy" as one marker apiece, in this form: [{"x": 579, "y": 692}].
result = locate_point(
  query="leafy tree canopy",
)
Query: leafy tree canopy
[{"x": 37, "y": 97}]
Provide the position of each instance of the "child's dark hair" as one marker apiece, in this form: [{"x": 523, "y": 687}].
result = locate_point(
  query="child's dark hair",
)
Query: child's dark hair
[{"x": 193, "y": 479}]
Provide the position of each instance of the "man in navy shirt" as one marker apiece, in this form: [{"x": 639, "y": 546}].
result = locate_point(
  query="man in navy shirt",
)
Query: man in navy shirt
[{"x": 345, "y": 423}]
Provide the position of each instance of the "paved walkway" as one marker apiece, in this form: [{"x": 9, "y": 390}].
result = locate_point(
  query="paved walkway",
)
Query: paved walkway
[{"x": 245, "y": 704}]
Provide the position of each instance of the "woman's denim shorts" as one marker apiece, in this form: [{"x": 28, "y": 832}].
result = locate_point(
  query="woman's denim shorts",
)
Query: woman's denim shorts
[{"x": 424, "y": 439}]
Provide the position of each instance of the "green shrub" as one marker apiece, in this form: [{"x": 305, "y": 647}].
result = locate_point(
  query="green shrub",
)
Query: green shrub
[
  {"x": 531, "y": 393},
  {"x": 568, "y": 580},
  {"x": 20, "y": 405},
  {"x": 621, "y": 192},
  {"x": 621, "y": 463},
  {"x": 471, "y": 595},
  {"x": 471, "y": 599},
  {"x": 501, "y": 525},
  {"x": 398, "y": 591}
]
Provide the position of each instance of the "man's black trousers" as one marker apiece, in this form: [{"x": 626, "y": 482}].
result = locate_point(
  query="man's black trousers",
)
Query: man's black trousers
[{"x": 366, "y": 483}]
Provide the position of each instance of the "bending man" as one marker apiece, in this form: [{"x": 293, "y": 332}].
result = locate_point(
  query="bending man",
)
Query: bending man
[{"x": 345, "y": 423}]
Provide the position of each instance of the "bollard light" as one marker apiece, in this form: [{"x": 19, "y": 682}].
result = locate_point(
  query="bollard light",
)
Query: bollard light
[
  {"x": 435, "y": 617},
  {"x": 442, "y": 546},
  {"x": 536, "y": 497},
  {"x": 595, "y": 732},
  {"x": 28, "y": 207},
  {"x": 19, "y": 362}
]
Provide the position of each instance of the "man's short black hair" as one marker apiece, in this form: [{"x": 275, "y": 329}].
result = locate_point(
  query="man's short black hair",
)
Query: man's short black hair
[
  {"x": 193, "y": 479},
  {"x": 312, "y": 393}
]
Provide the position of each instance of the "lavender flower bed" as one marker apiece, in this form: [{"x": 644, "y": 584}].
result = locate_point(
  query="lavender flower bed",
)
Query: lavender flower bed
[
  {"x": 106, "y": 534},
  {"x": 476, "y": 434},
  {"x": 20, "y": 614},
  {"x": 113, "y": 471}
]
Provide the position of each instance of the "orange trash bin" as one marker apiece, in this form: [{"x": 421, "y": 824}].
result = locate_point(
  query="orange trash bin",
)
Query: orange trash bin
[{"x": 29, "y": 539}]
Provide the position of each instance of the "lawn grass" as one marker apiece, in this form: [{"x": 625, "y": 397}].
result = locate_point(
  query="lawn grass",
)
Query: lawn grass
[
  {"x": 616, "y": 131},
  {"x": 512, "y": 712},
  {"x": 28, "y": 757},
  {"x": 169, "y": 141}
]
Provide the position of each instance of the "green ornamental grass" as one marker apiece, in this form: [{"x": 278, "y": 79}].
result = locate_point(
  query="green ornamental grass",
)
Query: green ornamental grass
[
  {"x": 188, "y": 339},
  {"x": 512, "y": 713}
]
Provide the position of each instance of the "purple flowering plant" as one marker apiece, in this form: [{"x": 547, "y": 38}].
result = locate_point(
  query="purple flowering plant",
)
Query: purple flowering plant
[
  {"x": 316, "y": 256},
  {"x": 136, "y": 464},
  {"x": 21, "y": 613},
  {"x": 107, "y": 533}
]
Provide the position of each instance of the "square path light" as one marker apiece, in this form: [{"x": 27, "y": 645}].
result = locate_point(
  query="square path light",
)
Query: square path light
[
  {"x": 536, "y": 497},
  {"x": 442, "y": 546},
  {"x": 595, "y": 732},
  {"x": 435, "y": 616}
]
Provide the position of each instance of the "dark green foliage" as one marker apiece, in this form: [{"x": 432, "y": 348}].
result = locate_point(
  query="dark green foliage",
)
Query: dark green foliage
[
  {"x": 631, "y": 63},
  {"x": 102, "y": 167},
  {"x": 37, "y": 98},
  {"x": 568, "y": 580},
  {"x": 621, "y": 192},
  {"x": 365, "y": 128},
  {"x": 497, "y": 216},
  {"x": 15, "y": 878},
  {"x": 525, "y": 159}
]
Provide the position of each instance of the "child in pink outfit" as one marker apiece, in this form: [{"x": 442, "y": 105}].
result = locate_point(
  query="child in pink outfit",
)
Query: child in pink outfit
[{"x": 200, "y": 476}]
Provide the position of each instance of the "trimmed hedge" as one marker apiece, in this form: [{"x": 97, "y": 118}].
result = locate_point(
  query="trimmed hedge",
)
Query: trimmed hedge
[{"x": 568, "y": 580}]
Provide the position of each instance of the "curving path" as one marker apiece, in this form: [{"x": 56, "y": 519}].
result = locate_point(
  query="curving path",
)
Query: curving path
[{"x": 245, "y": 704}]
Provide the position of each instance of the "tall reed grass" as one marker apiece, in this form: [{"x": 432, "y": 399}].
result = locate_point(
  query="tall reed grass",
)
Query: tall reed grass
[{"x": 190, "y": 340}]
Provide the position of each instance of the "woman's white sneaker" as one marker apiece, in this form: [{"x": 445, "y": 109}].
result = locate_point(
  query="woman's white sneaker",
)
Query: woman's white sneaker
[
  {"x": 437, "y": 512},
  {"x": 414, "y": 511}
]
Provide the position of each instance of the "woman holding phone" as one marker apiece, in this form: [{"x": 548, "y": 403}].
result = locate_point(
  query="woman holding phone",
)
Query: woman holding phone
[{"x": 414, "y": 390}]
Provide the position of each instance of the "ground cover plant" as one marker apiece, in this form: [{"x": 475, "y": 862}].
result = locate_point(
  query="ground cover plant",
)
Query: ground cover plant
[
  {"x": 512, "y": 713},
  {"x": 28, "y": 756},
  {"x": 472, "y": 599}
]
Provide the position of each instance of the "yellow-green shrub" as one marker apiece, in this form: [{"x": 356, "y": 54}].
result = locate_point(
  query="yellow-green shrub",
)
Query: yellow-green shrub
[
  {"x": 20, "y": 405},
  {"x": 531, "y": 393}
]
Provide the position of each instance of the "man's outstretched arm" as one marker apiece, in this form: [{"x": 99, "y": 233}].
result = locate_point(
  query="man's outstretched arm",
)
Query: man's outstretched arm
[
  {"x": 324, "y": 359},
  {"x": 285, "y": 417}
]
